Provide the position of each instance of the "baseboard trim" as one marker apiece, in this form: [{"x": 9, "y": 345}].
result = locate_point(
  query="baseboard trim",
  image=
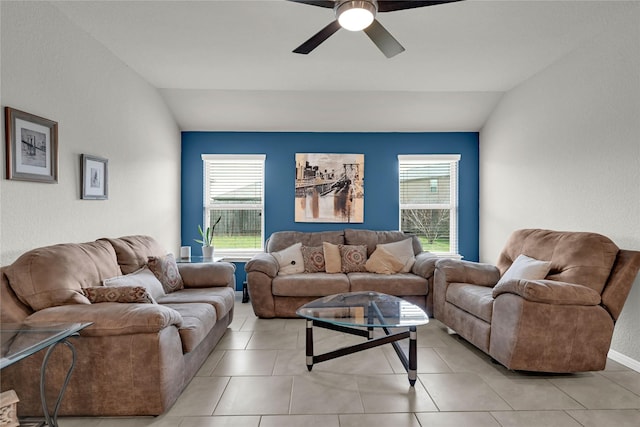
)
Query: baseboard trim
[{"x": 624, "y": 360}]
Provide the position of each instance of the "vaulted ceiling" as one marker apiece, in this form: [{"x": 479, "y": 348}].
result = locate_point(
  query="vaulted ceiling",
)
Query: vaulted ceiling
[{"x": 228, "y": 65}]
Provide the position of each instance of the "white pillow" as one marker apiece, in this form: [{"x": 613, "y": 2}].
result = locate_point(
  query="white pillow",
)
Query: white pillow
[
  {"x": 142, "y": 277},
  {"x": 290, "y": 260},
  {"x": 403, "y": 251},
  {"x": 525, "y": 267},
  {"x": 382, "y": 261}
]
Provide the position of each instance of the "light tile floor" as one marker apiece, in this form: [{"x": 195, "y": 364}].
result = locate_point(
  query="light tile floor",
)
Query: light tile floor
[{"x": 257, "y": 377}]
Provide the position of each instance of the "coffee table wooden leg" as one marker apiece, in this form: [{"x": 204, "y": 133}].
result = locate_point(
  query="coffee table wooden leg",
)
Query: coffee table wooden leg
[
  {"x": 309, "y": 344},
  {"x": 413, "y": 356}
]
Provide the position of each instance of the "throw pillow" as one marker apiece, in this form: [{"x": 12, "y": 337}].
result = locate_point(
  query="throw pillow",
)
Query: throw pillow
[
  {"x": 403, "y": 251},
  {"x": 353, "y": 258},
  {"x": 383, "y": 262},
  {"x": 290, "y": 260},
  {"x": 313, "y": 257},
  {"x": 332, "y": 261},
  {"x": 525, "y": 267},
  {"x": 123, "y": 294},
  {"x": 166, "y": 270},
  {"x": 142, "y": 277}
]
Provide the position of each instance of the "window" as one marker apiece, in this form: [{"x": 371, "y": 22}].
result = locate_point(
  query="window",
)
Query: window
[
  {"x": 429, "y": 200},
  {"x": 233, "y": 192}
]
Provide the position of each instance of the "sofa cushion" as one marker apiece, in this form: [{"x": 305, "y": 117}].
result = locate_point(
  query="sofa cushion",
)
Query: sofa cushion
[
  {"x": 222, "y": 298},
  {"x": 576, "y": 257},
  {"x": 197, "y": 321},
  {"x": 382, "y": 261},
  {"x": 400, "y": 284},
  {"x": 121, "y": 294},
  {"x": 473, "y": 299},
  {"x": 55, "y": 275},
  {"x": 525, "y": 267},
  {"x": 353, "y": 258},
  {"x": 332, "y": 258},
  {"x": 313, "y": 257},
  {"x": 166, "y": 270},
  {"x": 134, "y": 251},
  {"x": 143, "y": 277},
  {"x": 290, "y": 259},
  {"x": 402, "y": 250},
  {"x": 371, "y": 238},
  {"x": 283, "y": 239},
  {"x": 310, "y": 284}
]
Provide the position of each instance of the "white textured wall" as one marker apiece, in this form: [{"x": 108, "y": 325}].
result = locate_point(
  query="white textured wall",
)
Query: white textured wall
[
  {"x": 53, "y": 69},
  {"x": 562, "y": 151}
]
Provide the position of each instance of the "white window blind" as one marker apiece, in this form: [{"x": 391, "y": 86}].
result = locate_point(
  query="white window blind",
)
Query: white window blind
[
  {"x": 233, "y": 192},
  {"x": 429, "y": 200}
]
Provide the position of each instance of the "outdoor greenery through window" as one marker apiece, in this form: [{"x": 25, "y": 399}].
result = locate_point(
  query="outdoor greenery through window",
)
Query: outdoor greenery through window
[
  {"x": 429, "y": 200},
  {"x": 234, "y": 188}
]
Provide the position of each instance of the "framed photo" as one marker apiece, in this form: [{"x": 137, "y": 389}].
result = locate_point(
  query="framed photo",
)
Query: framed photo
[
  {"x": 95, "y": 178},
  {"x": 32, "y": 147}
]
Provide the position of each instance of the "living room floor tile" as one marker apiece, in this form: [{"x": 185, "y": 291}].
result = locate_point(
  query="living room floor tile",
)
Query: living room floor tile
[
  {"x": 300, "y": 420},
  {"x": 429, "y": 362},
  {"x": 220, "y": 421},
  {"x": 463, "y": 357},
  {"x": 273, "y": 340},
  {"x": 457, "y": 419},
  {"x": 531, "y": 393},
  {"x": 325, "y": 393},
  {"x": 462, "y": 392},
  {"x": 246, "y": 362},
  {"x": 210, "y": 364},
  {"x": 200, "y": 397},
  {"x": 234, "y": 340},
  {"x": 256, "y": 324},
  {"x": 256, "y": 396},
  {"x": 290, "y": 362},
  {"x": 535, "y": 419},
  {"x": 379, "y": 420},
  {"x": 609, "y": 417},
  {"x": 597, "y": 392},
  {"x": 627, "y": 379},
  {"x": 392, "y": 393}
]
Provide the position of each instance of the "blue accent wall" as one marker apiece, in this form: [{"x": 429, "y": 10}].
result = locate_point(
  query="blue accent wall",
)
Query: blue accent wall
[{"x": 381, "y": 211}]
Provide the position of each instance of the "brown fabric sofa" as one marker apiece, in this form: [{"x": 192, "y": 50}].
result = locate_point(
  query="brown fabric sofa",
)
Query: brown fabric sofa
[
  {"x": 561, "y": 323},
  {"x": 136, "y": 358},
  {"x": 274, "y": 295}
]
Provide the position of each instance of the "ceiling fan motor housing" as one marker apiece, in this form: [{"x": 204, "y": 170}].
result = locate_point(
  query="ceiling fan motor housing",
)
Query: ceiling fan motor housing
[{"x": 356, "y": 7}]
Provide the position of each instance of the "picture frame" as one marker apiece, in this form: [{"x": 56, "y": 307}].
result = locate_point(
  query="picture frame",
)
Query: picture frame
[
  {"x": 95, "y": 177},
  {"x": 31, "y": 147}
]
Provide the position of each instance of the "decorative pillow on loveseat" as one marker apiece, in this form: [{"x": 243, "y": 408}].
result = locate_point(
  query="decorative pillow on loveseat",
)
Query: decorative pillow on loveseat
[
  {"x": 525, "y": 267},
  {"x": 143, "y": 277},
  {"x": 403, "y": 251},
  {"x": 290, "y": 260},
  {"x": 122, "y": 294},
  {"x": 353, "y": 258},
  {"x": 382, "y": 261},
  {"x": 166, "y": 270},
  {"x": 313, "y": 257}
]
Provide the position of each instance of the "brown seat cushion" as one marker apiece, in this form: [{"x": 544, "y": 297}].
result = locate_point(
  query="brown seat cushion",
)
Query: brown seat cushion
[
  {"x": 310, "y": 284},
  {"x": 400, "y": 284},
  {"x": 197, "y": 321},
  {"x": 473, "y": 299},
  {"x": 222, "y": 298}
]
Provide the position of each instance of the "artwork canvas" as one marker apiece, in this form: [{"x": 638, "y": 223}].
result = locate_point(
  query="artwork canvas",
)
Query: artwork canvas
[{"x": 329, "y": 188}]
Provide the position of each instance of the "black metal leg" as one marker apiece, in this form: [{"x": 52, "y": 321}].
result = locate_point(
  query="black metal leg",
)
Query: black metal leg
[
  {"x": 309, "y": 344},
  {"x": 413, "y": 356},
  {"x": 52, "y": 421}
]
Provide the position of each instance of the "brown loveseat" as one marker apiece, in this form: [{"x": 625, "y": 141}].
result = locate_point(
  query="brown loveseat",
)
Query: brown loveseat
[
  {"x": 136, "y": 358},
  {"x": 560, "y": 322},
  {"x": 277, "y": 295}
]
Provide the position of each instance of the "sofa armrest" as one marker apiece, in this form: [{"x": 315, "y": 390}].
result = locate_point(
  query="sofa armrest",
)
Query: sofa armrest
[
  {"x": 111, "y": 318},
  {"x": 263, "y": 263},
  {"x": 459, "y": 271},
  {"x": 425, "y": 264},
  {"x": 549, "y": 292},
  {"x": 207, "y": 275}
]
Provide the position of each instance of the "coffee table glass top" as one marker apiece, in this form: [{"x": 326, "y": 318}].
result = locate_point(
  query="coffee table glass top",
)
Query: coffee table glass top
[
  {"x": 366, "y": 309},
  {"x": 18, "y": 340}
]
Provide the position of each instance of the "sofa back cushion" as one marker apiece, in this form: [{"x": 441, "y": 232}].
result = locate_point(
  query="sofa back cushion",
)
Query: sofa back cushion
[
  {"x": 133, "y": 251},
  {"x": 576, "y": 257},
  {"x": 283, "y": 239},
  {"x": 55, "y": 275},
  {"x": 371, "y": 238}
]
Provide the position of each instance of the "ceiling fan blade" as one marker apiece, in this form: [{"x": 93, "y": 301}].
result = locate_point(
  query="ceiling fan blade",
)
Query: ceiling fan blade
[
  {"x": 318, "y": 38},
  {"x": 328, "y": 4},
  {"x": 383, "y": 39},
  {"x": 390, "y": 6}
]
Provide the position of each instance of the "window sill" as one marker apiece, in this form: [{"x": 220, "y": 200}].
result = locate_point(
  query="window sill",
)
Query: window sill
[{"x": 236, "y": 256}]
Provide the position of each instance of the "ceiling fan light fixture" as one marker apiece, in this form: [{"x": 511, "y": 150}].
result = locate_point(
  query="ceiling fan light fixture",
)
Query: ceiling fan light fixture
[{"x": 355, "y": 15}]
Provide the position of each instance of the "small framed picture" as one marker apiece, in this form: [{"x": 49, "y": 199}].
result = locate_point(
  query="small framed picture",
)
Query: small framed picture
[
  {"x": 32, "y": 147},
  {"x": 95, "y": 178}
]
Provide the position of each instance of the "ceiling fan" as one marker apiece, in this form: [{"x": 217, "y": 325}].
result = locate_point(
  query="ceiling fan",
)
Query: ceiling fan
[{"x": 356, "y": 15}]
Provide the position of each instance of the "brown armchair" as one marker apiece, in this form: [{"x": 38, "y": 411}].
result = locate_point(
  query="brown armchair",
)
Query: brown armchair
[{"x": 560, "y": 323}]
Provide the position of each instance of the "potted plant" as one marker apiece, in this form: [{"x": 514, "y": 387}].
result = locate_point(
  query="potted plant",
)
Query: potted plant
[{"x": 207, "y": 239}]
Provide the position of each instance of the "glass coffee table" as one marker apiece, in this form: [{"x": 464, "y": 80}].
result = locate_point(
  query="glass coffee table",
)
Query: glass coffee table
[
  {"x": 18, "y": 341},
  {"x": 360, "y": 313}
]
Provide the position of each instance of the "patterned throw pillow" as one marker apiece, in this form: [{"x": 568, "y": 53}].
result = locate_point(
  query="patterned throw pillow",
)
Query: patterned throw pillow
[
  {"x": 142, "y": 277},
  {"x": 353, "y": 258},
  {"x": 313, "y": 257},
  {"x": 123, "y": 294},
  {"x": 166, "y": 270}
]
